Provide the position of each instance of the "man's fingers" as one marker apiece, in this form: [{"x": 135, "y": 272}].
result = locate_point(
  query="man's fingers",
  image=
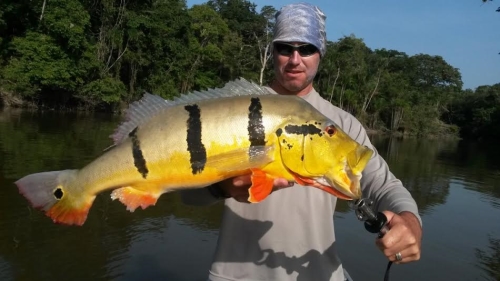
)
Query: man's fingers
[
  {"x": 390, "y": 238},
  {"x": 240, "y": 181},
  {"x": 237, "y": 187},
  {"x": 407, "y": 255},
  {"x": 246, "y": 180},
  {"x": 403, "y": 237},
  {"x": 282, "y": 183}
]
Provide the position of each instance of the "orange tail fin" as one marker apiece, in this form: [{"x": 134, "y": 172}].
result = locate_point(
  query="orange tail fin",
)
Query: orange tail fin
[
  {"x": 262, "y": 185},
  {"x": 54, "y": 193},
  {"x": 63, "y": 214}
]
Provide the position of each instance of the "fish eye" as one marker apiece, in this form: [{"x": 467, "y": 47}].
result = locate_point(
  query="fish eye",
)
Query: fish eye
[{"x": 330, "y": 130}]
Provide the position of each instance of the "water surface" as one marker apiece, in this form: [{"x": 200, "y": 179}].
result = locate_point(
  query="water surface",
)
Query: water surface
[{"x": 456, "y": 184}]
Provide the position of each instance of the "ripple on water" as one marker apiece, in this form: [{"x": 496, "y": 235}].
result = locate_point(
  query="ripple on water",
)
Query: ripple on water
[
  {"x": 5, "y": 270},
  {"x": 488, "y": 187}
]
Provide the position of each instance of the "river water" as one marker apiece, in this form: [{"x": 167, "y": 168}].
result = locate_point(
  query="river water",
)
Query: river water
[{"x": 455, "y": 183}]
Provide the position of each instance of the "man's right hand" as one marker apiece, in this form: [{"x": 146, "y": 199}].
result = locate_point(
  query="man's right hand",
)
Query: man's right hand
[{"x": 237, "y": 187}]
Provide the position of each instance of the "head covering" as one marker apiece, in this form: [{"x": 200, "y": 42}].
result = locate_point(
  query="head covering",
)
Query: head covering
[{"x": 301, "y": 22}]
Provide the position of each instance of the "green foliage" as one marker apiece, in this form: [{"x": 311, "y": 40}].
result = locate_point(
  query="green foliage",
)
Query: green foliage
[
  {"x": 387, "y": 89},
  {"x": 108, "y": 90},
  {"x": 39, "y": 63},
  {"x": 209, "y": 31},
  {"x": 104, "y": 54},
  {"x": 241, "y": 49},
  {"x": 67, "y": 22},
  {"x": 477, "y": 113}
]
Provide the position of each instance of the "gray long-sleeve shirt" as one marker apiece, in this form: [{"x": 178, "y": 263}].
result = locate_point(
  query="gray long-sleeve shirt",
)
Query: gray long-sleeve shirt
[{"x": 290, "y": 235}]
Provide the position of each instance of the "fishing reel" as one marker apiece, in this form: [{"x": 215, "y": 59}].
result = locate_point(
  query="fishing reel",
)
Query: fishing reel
[{"x": 374, "y": 222}]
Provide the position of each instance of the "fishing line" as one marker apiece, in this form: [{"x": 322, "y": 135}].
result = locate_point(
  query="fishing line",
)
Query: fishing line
[{"x": 386, "y": 275}]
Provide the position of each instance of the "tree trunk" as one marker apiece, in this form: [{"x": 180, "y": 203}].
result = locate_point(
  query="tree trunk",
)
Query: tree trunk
[
  {"x": 264, "y": 58},
  {"x": 342, "y": 90},
  {"x": 334, "y": 83},
  {"x": 368, "y": 98},
  {"x": 396, "y": 117},
  {"x": 43, "y": 9},
  {"x": 133, "y": 78}
]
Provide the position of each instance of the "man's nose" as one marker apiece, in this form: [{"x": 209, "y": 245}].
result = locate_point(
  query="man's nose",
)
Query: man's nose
[{"x": 294, "y": 58}]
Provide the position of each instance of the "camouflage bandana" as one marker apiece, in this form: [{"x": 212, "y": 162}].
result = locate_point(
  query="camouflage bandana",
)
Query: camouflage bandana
[{"x": 301, "y": 22}]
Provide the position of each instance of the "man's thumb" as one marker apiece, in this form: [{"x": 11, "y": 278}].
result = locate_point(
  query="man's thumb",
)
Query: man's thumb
[{"x": 389, "y": 215}]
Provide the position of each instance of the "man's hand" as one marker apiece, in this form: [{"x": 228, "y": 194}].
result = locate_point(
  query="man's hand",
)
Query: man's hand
[
  {"x": 237, "y": 187},
  {"x": 404, "y": 236}
]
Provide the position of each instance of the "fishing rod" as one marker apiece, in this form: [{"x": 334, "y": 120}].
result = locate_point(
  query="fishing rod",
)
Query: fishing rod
[{"x": 374, "y": 222}]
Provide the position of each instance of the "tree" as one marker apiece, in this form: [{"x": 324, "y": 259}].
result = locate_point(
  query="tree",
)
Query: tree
[
  {"x": 49, "y": 59},
  {"x": 348, "y": 58},
  {"x": 264, "y": 42},
  {"x": 209, "y": 31},
  {"x": 246, "y": 25},
  {"x": 477, "y": 112}
]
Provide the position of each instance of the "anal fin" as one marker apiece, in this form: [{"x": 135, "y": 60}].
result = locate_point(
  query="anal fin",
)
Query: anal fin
[
  {"x": 262, "y": 186},
  {"x": 134, "y": 198}
]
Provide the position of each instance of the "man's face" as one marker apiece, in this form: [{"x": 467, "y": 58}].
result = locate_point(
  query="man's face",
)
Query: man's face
[{"x": 295, "y": 71}]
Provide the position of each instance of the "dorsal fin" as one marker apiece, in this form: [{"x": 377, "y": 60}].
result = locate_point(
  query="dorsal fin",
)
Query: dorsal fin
[
  {"x": 150, "y": 105},
  {"x": 240, "y": 87},
  {"x": 138, "y": 112}
]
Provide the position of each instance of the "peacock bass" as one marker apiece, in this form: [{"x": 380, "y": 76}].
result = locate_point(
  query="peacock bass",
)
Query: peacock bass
[{"x": 202, "y": 138}]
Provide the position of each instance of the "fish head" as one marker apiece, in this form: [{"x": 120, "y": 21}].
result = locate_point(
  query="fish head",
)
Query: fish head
[{"x": 320, "y": 154}]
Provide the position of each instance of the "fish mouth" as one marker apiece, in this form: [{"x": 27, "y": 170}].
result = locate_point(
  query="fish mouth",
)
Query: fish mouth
[
  {"x": 338, "y": 188},
  {"x": 347, "y": 182},
  {"x": 347, "y": 187},
  {"x": 343, "y": 183}
]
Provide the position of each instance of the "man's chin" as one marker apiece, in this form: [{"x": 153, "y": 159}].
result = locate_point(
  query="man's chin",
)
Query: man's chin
[{"x": 294, "y": 85}]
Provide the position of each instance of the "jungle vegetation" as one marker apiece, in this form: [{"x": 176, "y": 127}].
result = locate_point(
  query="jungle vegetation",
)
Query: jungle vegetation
[{"x": 104, "y": 54}]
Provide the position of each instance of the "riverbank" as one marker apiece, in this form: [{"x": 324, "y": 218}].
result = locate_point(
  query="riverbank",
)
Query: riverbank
[
  {"x": 7, "y": 99},
  {"x": 19, "y": 106}
]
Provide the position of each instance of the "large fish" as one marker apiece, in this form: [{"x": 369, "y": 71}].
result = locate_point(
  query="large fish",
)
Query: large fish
[{"x": 202, "y": 138}]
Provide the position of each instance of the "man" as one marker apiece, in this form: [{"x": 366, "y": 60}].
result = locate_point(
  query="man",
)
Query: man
[{"x": 290, "y": 235}]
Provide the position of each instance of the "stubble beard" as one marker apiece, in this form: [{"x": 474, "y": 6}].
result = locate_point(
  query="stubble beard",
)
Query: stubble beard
[{"x": 295, "y": 85}]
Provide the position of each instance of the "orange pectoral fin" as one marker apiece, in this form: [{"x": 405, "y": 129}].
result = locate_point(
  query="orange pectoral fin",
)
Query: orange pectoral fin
[
  {"x": 134, "y": 198},
  {"x": 262, "y": 185}
]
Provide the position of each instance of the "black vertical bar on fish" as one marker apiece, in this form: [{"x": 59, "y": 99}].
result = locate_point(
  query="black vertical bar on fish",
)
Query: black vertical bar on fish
[
  {"x": 256, "y": 130},
  {"x": 197, "y": 151},
  {"x": 139, "y": 161}
]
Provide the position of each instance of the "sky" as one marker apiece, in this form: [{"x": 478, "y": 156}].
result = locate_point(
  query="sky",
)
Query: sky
[{"x": 466, "y": 33}]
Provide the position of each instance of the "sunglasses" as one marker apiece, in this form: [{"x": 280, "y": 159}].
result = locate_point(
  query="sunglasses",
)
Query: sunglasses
[{"x": 304, "y": 50}]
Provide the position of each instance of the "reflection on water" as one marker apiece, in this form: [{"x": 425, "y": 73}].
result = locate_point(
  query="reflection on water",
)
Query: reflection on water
[
  {"x": 490, "y": 259},
  {"x": 456, "y": 185},
  {"x": 113, "y": 243},
  {"x": 160, "y": 254}
]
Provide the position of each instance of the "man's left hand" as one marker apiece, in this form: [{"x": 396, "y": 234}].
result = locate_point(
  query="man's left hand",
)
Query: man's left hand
[{"x": 404, "y": 237}]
